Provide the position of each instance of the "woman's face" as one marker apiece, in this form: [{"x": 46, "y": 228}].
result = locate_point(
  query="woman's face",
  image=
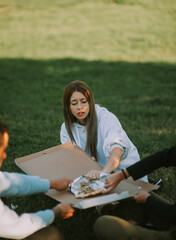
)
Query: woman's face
[{"x": 79, "y": 106}]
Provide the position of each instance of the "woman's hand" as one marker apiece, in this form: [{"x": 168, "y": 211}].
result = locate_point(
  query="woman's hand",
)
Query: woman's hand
[
  {"x": 93, "y": 174},
  {"x": 141, "y": 196},
  {"x": 60, "y": 184}
]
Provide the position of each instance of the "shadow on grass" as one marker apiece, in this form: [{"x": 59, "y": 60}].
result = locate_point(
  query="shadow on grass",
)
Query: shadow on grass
[
  {"x": 141, "y": 95},
  {"x": 24, "y": 82}
]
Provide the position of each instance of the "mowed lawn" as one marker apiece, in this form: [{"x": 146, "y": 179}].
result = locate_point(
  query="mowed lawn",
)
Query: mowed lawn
[{"x": 124, "y": 50}]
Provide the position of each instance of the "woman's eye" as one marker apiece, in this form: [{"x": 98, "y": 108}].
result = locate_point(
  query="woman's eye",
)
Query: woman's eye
[{"x": 75, "y": 103}]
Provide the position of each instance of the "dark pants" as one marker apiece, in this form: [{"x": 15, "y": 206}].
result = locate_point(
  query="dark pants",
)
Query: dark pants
[
  {"x": 114, "y": 228},
  {"x": 48, "y": 233},
  {"x": 119, "y": 227}
]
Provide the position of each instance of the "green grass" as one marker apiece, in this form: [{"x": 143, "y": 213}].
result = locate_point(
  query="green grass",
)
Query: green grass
[{"x": 124, "y": 50}]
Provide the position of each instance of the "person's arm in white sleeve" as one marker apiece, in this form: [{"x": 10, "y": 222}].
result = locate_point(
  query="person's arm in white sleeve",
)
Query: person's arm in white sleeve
[
  {"x": 64, "y": 137},
  {"x": 115, "y": 141},
  {"x": 15, "y": 184},
  {"x": 18, "y": 227},
  {"x": 12, "y": 225},
  {"x": 114, "y": 135}
]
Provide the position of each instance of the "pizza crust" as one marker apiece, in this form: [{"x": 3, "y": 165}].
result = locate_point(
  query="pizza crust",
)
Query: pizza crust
[{"x": 89, "y": 194}]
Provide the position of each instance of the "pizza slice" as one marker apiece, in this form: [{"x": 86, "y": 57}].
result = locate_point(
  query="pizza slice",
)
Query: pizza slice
[{"x": 86, "y": 190}]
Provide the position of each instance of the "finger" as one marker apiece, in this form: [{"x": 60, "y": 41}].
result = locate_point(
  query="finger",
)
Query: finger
[
  {"x": 89, "y": 177},
  {"x": 88, "y": 174},
  {"x": 93, "y": 175},
  {"x": 106, "y": 180},
  {"x": 107, "y": 190},
  {"x": 136, "y": 193},
  {"x": 68, "y": 215},
  {"x": 70, "y": 180},
  {"x": 107, "y": 185},
  {"x": 97, "y": 176},
  {"x": 135, "y": 198}
]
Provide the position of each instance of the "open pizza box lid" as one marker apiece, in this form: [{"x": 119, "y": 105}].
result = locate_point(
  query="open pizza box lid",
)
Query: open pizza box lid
[{"x": 67, "y": 160}]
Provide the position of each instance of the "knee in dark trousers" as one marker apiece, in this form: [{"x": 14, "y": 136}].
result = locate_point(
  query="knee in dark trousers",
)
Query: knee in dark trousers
[{"x": 48, "y": 233}]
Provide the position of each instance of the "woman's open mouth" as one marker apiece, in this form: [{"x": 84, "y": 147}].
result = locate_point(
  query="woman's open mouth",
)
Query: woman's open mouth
[{"x": 80, "y": 114}]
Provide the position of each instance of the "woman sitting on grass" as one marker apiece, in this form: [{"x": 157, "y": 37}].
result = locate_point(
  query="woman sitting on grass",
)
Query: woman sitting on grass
[{"x": 95, "y": 130}]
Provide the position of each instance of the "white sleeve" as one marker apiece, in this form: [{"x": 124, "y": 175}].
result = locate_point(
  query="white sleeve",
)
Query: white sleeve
[
  {"x": 18, "y": 227},
  {"x": 64, "y": 137},
  {"x": 113, "y": 134}
]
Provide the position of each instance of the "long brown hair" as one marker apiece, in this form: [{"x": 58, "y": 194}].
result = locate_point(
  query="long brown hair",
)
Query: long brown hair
[{"x": 91, "y": 119}]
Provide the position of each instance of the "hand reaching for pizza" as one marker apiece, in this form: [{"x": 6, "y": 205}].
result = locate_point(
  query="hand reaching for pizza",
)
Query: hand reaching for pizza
[
  {"x": 60, "y": 184},
  {"x": 93, "y": 174},
  {"x": 112, "y": 181}
]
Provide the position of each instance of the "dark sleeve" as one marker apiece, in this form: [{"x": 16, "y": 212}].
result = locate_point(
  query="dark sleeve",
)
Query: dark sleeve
[
  {"x": 162, "y": 210},
  {"x": 164, "y": 158}
]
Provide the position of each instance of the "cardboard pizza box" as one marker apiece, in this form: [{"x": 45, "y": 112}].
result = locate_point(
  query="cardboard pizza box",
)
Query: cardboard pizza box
[{"x": 68, "y": 160}]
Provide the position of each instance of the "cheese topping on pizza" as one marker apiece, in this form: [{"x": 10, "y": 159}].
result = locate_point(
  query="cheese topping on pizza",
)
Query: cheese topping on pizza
[
  {"x": 85, "y": 188},
  {"x": 87, "y": 191}
]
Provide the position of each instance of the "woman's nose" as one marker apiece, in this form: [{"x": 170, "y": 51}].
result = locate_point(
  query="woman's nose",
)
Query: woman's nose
[{"x": 79, "y": 105}]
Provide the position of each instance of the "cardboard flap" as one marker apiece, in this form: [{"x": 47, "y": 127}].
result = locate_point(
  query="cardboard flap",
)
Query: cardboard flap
[
  {"x": 65, "y": 160},
  {"x": 102, "y": 200}
]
